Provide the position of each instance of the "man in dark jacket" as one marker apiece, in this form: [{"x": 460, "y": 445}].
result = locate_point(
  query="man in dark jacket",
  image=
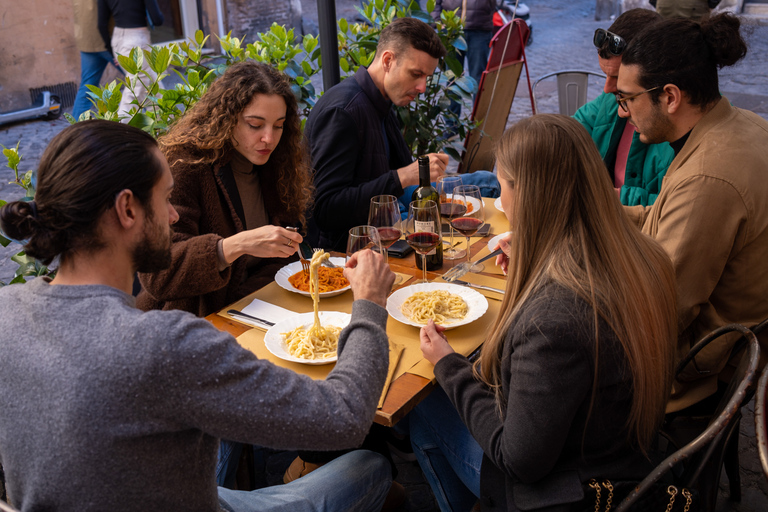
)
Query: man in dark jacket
[{"x": 357, "y": 148}]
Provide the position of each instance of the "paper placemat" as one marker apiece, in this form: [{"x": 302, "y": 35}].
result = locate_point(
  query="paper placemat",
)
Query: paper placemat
[
  {"x": 395, "y": 351},
  {"x": 464, "y": 339}
]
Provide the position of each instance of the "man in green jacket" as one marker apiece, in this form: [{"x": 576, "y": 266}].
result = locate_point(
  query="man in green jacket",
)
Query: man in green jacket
[{"x": 636, "y": 168}]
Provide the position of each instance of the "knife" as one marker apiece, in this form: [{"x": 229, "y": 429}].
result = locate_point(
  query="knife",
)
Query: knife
[
  {"x": 478, "y": 286},
  {"x": 236, "y": 313}
]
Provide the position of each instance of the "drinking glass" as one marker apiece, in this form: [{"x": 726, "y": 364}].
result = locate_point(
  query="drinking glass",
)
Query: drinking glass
[
  {"x": 451, "y": 205},
  {"x": 473, "y": 219},
  {"x": 384, "y": 215},
  {"x": 363, "y": 237},
  {"x": 421, "y": 230}
]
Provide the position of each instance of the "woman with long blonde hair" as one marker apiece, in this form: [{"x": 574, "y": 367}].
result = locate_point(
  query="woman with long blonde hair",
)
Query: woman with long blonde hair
[
  {"x": 572, "y": 381},
  {"x": 242, "y": 176}
]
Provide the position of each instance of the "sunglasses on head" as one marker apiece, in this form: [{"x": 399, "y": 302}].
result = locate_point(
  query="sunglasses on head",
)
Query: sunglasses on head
[{"x": 613, "y": 43}]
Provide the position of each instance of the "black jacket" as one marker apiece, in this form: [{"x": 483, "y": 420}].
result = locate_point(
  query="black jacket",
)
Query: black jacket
[{"x": 349, "y": 155}]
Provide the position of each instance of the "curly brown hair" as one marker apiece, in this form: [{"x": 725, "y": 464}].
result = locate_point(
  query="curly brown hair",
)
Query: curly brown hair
[{"x": 204, "y": 133}]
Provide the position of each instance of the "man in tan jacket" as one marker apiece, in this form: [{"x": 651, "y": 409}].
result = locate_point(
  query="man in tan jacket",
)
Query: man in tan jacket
[{"x": 711, "y": 215}]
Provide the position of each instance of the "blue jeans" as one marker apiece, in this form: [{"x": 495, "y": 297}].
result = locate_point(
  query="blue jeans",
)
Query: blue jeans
[
  {"x": 448, "y": 454},
  {"x": 226, "y": 467},
  {"x": 356, "y": 481},
  {"x": 92, "y": 66},
  {"x": 478, "y": 51}
]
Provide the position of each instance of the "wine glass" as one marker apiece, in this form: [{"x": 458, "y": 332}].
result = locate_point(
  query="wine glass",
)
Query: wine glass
[
  {"x": 421, "y": 230},
  {"x": 384, "y": 215},
  {"x": 473, "y": 219},
  {"x": 363, "y": 237},
  {"x": 450, "y": 206}
]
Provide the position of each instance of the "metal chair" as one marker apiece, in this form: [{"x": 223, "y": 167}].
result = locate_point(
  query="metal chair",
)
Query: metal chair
[
  {"x": 5, "y": 507},
  {"x": 572, "y": 87},
  {"x": 761, "y": 419},
  {"x": 703, "y": 456}
]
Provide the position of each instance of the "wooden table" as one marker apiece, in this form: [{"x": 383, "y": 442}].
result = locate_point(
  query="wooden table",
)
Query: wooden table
[{"x": 407, "y": 390}]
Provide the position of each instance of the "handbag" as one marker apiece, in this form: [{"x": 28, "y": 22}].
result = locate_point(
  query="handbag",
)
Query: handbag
[{"x": 606, "y": 495}]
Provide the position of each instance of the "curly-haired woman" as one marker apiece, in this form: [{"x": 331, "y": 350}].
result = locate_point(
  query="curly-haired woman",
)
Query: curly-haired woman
[{"x": 241, "y": 176}]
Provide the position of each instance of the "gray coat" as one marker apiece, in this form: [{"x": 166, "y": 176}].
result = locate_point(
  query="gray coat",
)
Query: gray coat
[{"x": 547, "y": 442}]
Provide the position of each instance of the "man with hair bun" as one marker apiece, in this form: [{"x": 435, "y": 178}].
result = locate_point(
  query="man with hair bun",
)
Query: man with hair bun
[
  {"x": 636, "y": 168},
  {"x": 107, "y": 407},
  {"x": 711, "y": 215}
]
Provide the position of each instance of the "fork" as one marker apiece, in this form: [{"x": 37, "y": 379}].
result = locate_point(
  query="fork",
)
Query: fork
[
  {"x": 327, "y": 263},
  {"x": 459, "y": 270}
]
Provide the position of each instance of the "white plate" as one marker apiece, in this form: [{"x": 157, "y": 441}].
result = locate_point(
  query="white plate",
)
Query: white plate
[
  {"x": 275, "y": 341},
  {"x": 493, "y": 242},
  {"x": 497, "y": 204},
  {"x": 473, "y": 201},
  {"x": 476, "y": 303},
  {"x": 281, "y": 278}
]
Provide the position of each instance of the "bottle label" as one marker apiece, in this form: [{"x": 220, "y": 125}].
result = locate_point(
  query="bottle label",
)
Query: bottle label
[{"x": 426, "y": 226}]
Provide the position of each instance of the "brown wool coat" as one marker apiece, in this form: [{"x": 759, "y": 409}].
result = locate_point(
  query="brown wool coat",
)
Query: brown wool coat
[{"x": 210, "y": 208}]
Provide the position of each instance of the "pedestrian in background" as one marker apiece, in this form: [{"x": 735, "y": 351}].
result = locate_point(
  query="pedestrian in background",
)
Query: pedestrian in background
[
  {"x": 130, "y": 32},
  {"x": 693, "y": 9},
  {"x": 94, "y": 55}
]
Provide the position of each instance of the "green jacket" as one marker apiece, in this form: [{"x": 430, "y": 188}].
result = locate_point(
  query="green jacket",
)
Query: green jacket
[{"x": 646, "y": 164}]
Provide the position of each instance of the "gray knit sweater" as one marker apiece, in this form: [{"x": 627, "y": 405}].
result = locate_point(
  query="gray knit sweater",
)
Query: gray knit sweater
[{"x": 105, "y": 407}]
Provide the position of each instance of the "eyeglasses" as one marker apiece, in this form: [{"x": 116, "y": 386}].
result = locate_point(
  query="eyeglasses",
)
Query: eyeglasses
[
  {"x": 622, "y": 101},
  {"x": 616, "y": 44}
]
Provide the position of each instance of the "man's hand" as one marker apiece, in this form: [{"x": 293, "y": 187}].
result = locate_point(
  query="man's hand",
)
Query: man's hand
[
  {"x": 434, "y": 344},
  {"x": 409, "y": 175},
  {"x": 264, "y": 242},
  {"x": 369, "y": 276}
]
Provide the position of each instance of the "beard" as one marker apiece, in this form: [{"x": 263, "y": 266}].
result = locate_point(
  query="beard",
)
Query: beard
[
  {"x": 659, "y": 128},
  {"x": 153, "y": 253}
]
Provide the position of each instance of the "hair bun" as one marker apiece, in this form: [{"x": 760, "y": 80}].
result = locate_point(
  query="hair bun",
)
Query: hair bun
[
  {"x": 721, "y": 33},
  {"x": 18, "y": 220}
]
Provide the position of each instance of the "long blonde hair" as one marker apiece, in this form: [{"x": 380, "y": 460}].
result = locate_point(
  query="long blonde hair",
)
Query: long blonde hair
[{"x": 570, "y": 228}]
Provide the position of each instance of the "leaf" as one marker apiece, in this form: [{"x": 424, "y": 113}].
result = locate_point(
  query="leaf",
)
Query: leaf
[
  {"x": 460, "y": 44},
  {"x": 344, "y": 65},
  {"x": 453, "y": 64},
  {"x": 193, "y": 77},
  {"x": 200, "y": 37},
  {"x": 452, "y": 153},
  {"x": 343, "y": 25},
  {"x": 430, "y": 5},
  {"x": 18, "y": 280},
  {"x": 142, "y": 121},
  {"x": 4, "y": 241},
  {"x": 128, "y": 64}
]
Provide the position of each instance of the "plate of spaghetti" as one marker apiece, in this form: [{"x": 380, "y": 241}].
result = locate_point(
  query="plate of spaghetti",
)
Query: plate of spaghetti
[
  {"x": 310, "y": 338},
  {"x": 449, "y": 305},
  {"x": 294, "y": 339},
  {"x": 331, "y": 280}
]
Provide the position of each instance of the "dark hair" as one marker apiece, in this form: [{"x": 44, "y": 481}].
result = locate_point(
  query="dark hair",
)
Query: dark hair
[
  {"x": 403, "y": 33},
  {"x": 81, "y": 172},
  {"x": 204, "y": 133},
  {"x": 687, "y": 54},
  {"x": 628, "y": 25}
]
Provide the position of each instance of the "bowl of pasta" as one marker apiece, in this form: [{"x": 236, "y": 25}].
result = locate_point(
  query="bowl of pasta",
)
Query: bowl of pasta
[
  {"x": 332, "y": 282},
  {"x": 296, "y": 339},
  {"x": 449, "y": 305}
]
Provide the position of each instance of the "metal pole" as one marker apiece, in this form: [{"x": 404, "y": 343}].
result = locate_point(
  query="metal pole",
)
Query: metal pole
[{"x": 329, "y": 53}]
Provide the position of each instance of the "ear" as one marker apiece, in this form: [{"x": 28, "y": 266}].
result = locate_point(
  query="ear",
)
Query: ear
[
  {"x": 674, "y": 98},
  {"x": 387, "y": 60},
  {"x": 127, "y": 209}
]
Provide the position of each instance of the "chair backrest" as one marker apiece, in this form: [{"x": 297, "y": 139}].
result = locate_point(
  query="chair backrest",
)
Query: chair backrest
[
  {"x": 761, "y": 421},
  {"x": 698, "y": 452},
  {"x": 5, "y": 507},
  {"x": 572, "y": 85},
  {"x": 495, "y": 94}
]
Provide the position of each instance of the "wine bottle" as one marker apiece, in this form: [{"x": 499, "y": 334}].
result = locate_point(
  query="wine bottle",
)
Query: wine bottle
[{"x": 426, "y": 192}]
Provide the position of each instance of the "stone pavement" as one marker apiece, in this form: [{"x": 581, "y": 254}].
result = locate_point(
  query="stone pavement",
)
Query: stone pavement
[{"x": 562, "y": 40}]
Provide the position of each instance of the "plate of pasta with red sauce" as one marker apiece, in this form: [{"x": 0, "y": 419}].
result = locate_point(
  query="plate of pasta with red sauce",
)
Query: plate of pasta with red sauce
[{"x": 331, "y": 280}]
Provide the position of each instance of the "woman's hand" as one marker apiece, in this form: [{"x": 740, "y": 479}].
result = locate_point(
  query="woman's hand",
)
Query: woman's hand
[
  {"x": 502, "y": 260},
  {"x": 434, "y": 344},
  {"x": 264, "y": 242}
]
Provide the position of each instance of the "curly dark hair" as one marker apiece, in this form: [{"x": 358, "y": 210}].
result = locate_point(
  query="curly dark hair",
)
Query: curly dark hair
[{"x": 204, "y": 133}]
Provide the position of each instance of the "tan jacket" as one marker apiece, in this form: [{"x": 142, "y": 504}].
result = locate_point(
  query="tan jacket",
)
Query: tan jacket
[
  {"x": 711, "y": 216},
  {"x": 87, "y": 35}
]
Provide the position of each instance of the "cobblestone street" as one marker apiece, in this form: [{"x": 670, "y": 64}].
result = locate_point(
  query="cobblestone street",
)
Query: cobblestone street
[{"x": 562, "y": 39}]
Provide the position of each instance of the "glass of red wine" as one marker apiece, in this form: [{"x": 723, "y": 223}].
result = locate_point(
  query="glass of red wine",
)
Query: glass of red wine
[
  {"x": 451, "y": 206},
  {"x": 384, "y": 215},
  {"x": 363, "y": 237},
  {"x": 473, "y": 219},
  {"x": 421, "y": 230}
]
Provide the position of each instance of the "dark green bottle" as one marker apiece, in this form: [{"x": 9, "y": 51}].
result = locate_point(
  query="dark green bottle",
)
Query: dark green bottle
[{"x": 426, "y": 192}]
